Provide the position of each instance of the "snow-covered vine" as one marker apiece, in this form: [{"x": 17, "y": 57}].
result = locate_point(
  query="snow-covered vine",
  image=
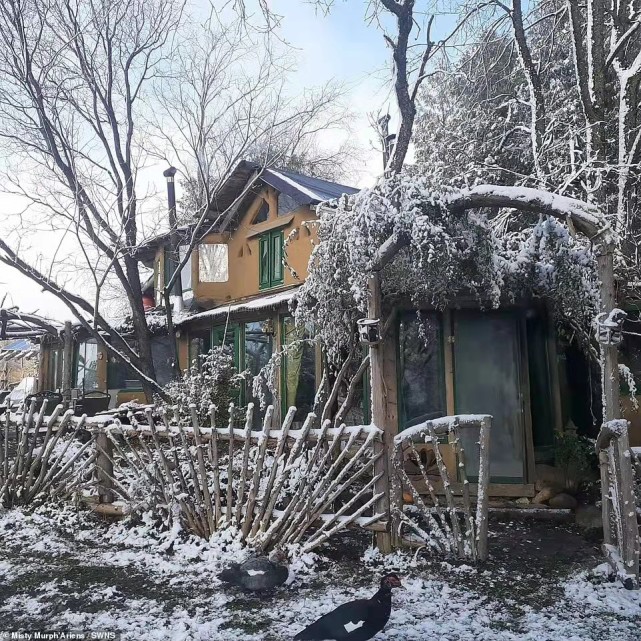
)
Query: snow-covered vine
[{"x": 448, "y": 255}]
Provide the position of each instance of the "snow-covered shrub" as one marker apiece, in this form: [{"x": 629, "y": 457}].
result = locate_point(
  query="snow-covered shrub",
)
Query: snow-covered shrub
[{"x": 209, "y": 381}]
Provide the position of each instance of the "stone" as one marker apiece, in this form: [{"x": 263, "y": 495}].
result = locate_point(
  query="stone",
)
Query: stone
[
  {"x": 589, "y": 517},
  {"x": 545, "y": 495},
  {"x": 563, "y": 501},
  {"x": 523, "y": 501},
  {"x": 549, "y": 476}
]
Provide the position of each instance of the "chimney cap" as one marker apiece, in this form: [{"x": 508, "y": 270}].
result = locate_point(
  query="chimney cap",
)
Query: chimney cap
[{"x": 170, "y": 172}]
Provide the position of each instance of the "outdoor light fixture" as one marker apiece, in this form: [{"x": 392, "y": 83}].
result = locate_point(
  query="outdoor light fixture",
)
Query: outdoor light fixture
[
  {"x": 369, "y": 330},
  {"x": 610, "y": 327}
]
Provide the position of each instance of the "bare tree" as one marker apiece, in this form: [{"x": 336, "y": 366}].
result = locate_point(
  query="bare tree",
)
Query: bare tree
[
  {"x": 82, "y": 86},
  {"x": 73, "y": 81}
]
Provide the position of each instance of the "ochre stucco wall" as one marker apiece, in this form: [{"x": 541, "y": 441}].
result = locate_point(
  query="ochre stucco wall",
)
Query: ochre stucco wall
[{"x": 243, "y": 246}]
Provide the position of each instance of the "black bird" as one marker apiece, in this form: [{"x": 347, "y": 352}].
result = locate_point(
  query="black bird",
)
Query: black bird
[
  {"x": 257, "y": 573},
  {"x": 357, "y": 620}
]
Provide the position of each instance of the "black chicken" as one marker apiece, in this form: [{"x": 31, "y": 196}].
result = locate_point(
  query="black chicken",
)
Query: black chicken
[
  {"x": 357, "y": 620},
  {"x": 257, "y": 573}
]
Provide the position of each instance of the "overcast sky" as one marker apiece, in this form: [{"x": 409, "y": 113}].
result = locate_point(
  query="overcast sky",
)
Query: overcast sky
[{"x": 339, "y": 46}]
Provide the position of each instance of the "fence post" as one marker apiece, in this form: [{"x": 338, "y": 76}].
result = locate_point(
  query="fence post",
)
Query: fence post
[
  {"x": 605, "y": 496},
  {"x": 104, "y": 467}
]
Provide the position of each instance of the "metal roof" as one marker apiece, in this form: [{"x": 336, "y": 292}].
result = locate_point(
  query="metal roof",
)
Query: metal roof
[
  {"x": 242, "y": 185},
  {"x": 255, "y": 303},
  {"x": 19, "y": 346}
]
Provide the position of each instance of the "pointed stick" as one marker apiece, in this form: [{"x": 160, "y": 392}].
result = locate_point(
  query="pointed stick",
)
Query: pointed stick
[
  {"x": 470, "y": 537},
  {"x": 447, "y": 489},
  {"x": 243, "y": 470},
  {"x": 209, "y": 509},
  {"x": 213, "y": 456},
  {"x": 190, "y": 461},
  {"x": 255, "y": 485},
  {"x": 32, "y": 446},
  {"x": 444, "y": 525},
  {"x": 230, "y": 466},
  {"x": 47, "y": 448},
  {"x": 278, "y": 459},
  {"x": 304, "y": 491},
  {"x": 341, "y": 525},
  {"x": 173, "y": 448},
  {"x": 303, "y": 513},
  {"x": 22, "y": 447},
  {"x": 274, "y": 494}
]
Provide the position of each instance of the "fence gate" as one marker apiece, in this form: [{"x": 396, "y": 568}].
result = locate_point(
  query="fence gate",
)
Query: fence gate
[{"x": 452, "y": 528}]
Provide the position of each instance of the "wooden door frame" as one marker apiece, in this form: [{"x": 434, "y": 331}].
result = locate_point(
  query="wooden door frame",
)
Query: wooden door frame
[{"x": 529, "y": 468}]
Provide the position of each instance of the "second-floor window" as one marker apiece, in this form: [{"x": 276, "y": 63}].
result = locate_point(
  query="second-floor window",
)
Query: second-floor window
[
  {"x": 270, "y": 256},
  {"x": 213, "y": 263}
]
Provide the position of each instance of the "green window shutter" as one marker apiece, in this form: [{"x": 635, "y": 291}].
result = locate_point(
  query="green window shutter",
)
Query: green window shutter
[
  {"x": 263, "y": 262},
  {"x": 277, "y": 258}
]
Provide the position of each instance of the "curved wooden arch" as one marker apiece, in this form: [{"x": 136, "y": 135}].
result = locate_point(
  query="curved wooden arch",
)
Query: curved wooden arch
[{"x": 582, "y": 216}]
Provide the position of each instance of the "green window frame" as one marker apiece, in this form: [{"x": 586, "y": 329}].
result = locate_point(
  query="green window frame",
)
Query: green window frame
[{"x": 270, "y": 259}]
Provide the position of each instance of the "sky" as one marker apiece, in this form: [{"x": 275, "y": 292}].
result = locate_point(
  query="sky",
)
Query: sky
[{"x": 339, "y": 46}]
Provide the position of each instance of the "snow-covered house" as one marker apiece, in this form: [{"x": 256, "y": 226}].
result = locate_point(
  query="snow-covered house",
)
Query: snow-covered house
[{"x": 236, "y": 288}]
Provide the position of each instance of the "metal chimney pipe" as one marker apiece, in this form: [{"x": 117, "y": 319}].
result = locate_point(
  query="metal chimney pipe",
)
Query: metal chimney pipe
[{"x": 173, "y": 255}]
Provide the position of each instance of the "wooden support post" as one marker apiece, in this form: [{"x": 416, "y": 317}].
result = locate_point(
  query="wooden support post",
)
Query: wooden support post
[
  {"x": 42, "y": 365},
  {"x": 67, "y": 365},
  {"x": 104, "y": 468},
  {"x": 380, "y": 418},
  {"x": 606, "y": 517},
  {"x": 609, "y": 378},
  {"x": 629, "y": 546},
  {"x": 483, "y": 489},
  {"x": 609, "y": 353}
]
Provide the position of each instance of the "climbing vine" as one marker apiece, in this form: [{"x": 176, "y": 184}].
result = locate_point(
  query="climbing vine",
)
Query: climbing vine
[{"x": 449, "y": 255}]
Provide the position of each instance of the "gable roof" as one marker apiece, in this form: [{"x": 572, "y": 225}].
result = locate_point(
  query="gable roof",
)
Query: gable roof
[
  {"x": 247, "y": 179},
  {"x": 242, "y": 185}
]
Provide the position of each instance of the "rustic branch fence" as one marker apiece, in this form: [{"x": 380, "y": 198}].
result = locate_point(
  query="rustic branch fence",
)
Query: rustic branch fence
[
  {"x": 273, "y": 487},
  {"x": 35, "y": 458},
  {"x": 620, "y": 526},
  {"x": 452, "y": 528}
]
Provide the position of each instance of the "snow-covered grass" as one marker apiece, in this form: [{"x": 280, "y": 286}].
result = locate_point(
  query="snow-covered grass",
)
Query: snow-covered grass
[{"x": 62, "y": 569}]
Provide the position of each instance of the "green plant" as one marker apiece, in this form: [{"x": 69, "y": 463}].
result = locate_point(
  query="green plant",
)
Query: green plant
[
  {"x": 576, "y": 456},
  {"x": 211, "y": 380}
]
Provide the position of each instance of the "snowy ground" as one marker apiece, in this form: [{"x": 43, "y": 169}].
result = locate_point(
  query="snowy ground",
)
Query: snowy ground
[{"x": 58, "y": 570}]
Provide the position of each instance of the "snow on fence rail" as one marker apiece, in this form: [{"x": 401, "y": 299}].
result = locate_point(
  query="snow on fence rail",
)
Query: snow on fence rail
[
  {"x": 620, "y": 526},
  {"x": 454, "y": 528},
  {"x": 272, "y": 486}
]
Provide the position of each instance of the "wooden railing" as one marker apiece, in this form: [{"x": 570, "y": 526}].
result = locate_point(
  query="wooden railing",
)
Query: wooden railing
[{"x": 620, "y": 526}]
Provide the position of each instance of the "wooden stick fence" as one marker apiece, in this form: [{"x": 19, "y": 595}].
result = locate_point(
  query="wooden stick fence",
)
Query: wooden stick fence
[
  {"x": 36, "y": 458},
  {"x": 274, "y": 487},
  {"x": 620, "y": 527},
  {"x": 452, "y": 528}
]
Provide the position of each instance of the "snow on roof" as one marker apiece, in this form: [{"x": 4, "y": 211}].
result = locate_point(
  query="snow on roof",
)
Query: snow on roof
[
  {"x": 315, "y": 188},
  {"x": 262, "y": 302}
]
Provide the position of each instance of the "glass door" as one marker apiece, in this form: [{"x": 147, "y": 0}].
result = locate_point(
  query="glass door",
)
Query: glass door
[{"x": 487, "y": 381}]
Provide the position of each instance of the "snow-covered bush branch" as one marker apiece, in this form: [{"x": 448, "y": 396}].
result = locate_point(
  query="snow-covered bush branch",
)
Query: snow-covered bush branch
[{"x": 446, "y": 254}]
